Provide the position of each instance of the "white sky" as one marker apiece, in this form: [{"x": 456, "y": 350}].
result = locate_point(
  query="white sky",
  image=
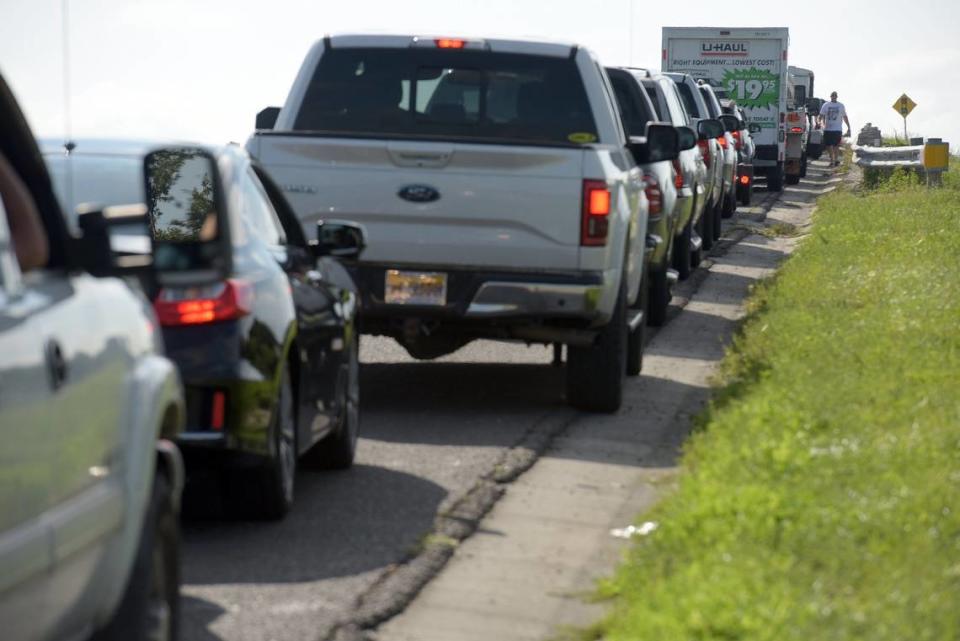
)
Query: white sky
[{"x": 201, "y": 69}]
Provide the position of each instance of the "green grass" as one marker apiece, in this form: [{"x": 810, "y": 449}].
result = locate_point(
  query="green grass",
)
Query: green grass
[{"x": 820, "y": 498}]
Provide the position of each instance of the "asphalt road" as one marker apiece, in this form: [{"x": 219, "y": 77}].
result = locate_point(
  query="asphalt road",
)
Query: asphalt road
[{"x": 429, "y": 430}]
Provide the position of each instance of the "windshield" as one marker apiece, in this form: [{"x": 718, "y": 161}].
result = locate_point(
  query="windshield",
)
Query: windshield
[{"x": 477, "y": 96}]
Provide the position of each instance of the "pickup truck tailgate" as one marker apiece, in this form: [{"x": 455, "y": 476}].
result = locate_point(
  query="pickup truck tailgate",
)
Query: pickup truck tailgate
[{"x": 437, "y": 203}]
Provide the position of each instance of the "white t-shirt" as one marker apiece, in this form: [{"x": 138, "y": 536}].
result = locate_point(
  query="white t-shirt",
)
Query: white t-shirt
[{"x": 833, "y": 113}]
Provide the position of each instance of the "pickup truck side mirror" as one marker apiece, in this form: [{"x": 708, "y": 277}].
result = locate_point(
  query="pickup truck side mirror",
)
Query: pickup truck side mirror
[
  {"x": 729, "y": 122},
  {"x": 686, "y": 138},
  {"x": 709, "y": 128},
  {"x": 187, "y": 216},
  {"x": 267, "y": 118},
  {"x": 99, "y": 255},
  {"x": 339, "y": 239},
  {"x": 754, "y": 128},
  {"x": 660, "y": 143}
]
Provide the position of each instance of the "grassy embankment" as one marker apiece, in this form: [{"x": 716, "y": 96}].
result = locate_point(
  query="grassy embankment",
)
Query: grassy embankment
[{"x": 821, "y": 499}]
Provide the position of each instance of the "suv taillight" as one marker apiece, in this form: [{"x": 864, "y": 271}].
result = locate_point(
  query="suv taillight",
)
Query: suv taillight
[
  {"x": 738, "y": 142},
  {"x": 705, "y": 151},
  {"x": 227, "y": 300},
  {"x": 677, "y": 174},
  {"x": 654, "y": 195},
  {"x": 595, "y": 213}
]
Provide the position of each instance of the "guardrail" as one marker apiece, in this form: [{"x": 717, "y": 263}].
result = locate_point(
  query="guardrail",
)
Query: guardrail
[{"x": 930, "y": 159}]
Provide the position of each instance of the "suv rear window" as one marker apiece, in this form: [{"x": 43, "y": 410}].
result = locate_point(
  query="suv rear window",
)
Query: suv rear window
[
  {"x": 475, "y": 96},
  {"x": 688, "y": 100}
]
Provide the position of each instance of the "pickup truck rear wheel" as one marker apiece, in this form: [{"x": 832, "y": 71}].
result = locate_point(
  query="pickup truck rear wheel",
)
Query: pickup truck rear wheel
[
  {"x": 706, "y": 229},
  {"x": 595, "y": 373},
  {"x": 681, "y": 252},
  {"x": 659, "y": 298},
  {"x": 635, "y": 337},
  {"x": 150, "y": 607},
  {"x": 730, "y": 203}
]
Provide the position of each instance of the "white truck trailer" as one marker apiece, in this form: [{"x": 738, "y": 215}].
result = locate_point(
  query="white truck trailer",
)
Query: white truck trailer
[{"x": 751, "y": 64}]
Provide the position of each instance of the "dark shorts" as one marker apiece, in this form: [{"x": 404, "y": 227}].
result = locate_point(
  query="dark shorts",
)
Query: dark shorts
[{"x": 831, "y": 138}]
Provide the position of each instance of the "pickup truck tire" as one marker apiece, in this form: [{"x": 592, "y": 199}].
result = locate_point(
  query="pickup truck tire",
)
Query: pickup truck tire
[
  {"x": 337, "y": 451},
  {"x": 706, "y": 228},
  {"x": 717, "y": 228},
  {"x": 746, "y": 195},
  {"x": 681, "y": 252},
  {"x": 659, "y": 298},
  {"x": 150, "y": 607},
  {"x": 266, "y": 493},
  {"x": 635, "y": 338},
  {"x": 595, "y": 373},
  {"x": 775, "y": 178},
  {"x": 803, "y": 166},
  {"x": 793, "y": 179},
  {"x": 730, "y": 204}
]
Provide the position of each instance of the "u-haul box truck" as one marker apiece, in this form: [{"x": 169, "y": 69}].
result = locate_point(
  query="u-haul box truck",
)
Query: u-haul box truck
[{"x": 751, "y": 64}]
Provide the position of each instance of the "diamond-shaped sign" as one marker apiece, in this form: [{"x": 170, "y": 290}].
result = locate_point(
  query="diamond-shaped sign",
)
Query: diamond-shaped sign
[{"x": 904, "y": 105}]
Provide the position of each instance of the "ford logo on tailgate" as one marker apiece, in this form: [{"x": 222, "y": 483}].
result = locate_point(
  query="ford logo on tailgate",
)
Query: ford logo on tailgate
[{"x": 419, "y": 193}]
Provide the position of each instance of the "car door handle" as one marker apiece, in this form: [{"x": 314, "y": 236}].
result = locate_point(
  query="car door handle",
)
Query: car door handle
[{"x": 56, "y": 364}]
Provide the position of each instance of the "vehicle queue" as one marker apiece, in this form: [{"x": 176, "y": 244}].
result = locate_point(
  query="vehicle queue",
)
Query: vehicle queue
[{"x": 434, "y": 190}]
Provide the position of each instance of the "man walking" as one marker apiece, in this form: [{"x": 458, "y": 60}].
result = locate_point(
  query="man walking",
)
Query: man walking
[{"x": 832, "y": 116}]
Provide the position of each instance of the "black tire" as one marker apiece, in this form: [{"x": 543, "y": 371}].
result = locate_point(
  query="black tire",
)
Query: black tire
[
  {"x": 792, "y": 179},
  {"x": 266, "y": 493},
  {"x": 338, "y": 451},
  {"x": 150, "y": 607},
  {"x": 706, "y": 229},
  {"x": 716, "y": 230},
  {"x": 681, "y": 252},
  {"x": 659, "y": 298},
  {"x": 730, "y": 204},
  {"x": 775, "y": 178},
  {"x": 803, "y": 166},
  {"x": 746, "y": 195},
  {"x": 635, "y": 338},
  {"x": 595, "y": 373}
]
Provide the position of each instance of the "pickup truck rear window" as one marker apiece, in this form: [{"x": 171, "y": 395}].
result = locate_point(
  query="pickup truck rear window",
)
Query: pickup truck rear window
[{"x": 474, "y": 96}]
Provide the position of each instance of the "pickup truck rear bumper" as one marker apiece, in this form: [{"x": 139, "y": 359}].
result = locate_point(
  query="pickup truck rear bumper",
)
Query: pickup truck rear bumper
[{"x": 474, "y": 295}]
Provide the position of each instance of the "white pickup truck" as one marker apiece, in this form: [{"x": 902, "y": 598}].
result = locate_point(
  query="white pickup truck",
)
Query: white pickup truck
[{"x": 500, "y": 194}]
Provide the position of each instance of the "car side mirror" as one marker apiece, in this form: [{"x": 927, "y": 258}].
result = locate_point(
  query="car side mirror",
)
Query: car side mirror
[
  {"x": 339, "y": 239},
  {"x": 97, "y": 252},
  {"x": 686, "y": 138},
  {"x": 187, "y": 216},
  {"x": 729, "y": 122},
  {"x": 267, "y": 118},
  {"x": 709, "y": 128},
  {"x": 660, "y": 143},
  {"x": 754, "y": 128}
]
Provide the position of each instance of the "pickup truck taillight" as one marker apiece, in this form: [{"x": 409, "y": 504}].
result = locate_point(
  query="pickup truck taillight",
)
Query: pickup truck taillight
[
  {"x": 705, "y": 151},
  {"x": 677, "y": 174},
  {"x": 228, "y": 300},
  {"x": 595, "y": 214},
  {"x": 737, "y": 140},
  {"x": 723, "y": 142},
  {"x": 654, "y": 195}
]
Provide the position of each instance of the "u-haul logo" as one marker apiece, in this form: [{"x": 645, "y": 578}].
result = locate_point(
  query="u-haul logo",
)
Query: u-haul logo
[{"x": 724, "y": 48}]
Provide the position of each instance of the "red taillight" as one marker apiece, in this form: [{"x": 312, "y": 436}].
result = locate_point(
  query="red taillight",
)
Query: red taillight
[
  {"x": 796, "y": 130},
  {"x": 450, "y": 43},
  {"x": 677, "y": 174},
  {"x": 654, "y": 195},
  {"x": 737, "y": 140},
  {"x": 723, "y": 141},
  {"x": 595, "y": 213},
  {"x": 744, "y": 179},
  {"x": 218, "y": 410},
  {"x": 223, "y": 301},
  {"x": 705, "y": 151}
]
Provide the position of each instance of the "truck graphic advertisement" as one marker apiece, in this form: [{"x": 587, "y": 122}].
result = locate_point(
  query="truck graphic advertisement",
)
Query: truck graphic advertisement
[{"x": 750, "y": 65}]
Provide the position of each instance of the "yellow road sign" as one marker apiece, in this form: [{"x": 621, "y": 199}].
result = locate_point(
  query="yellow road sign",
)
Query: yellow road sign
[{"x": 904, "y": 105}]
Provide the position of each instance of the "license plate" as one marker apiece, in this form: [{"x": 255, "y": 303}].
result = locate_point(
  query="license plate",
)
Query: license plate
[{"x": 415, "y": 288}]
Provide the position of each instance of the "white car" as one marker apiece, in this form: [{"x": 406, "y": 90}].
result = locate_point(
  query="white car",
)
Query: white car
[{"x": 501, "y": 196}]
